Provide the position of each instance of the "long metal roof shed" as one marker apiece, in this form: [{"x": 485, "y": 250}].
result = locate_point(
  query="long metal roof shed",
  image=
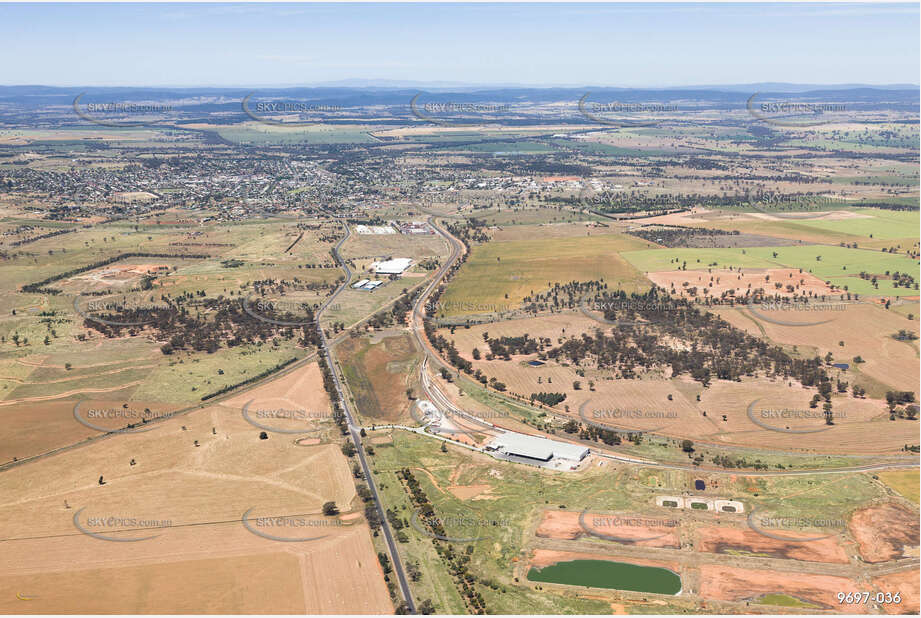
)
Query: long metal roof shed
[{"x": 535, "y": 447}]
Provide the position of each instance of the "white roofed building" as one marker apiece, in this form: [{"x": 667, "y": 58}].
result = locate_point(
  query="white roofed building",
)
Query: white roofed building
[
  {"x": 395, "y": 266},
  {"x": 539, "y": 450}
]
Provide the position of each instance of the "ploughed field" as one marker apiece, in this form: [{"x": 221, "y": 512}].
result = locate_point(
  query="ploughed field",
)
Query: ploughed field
[
  {"x": 756, "y": 411},
  {"x": 192, "y": 515}
]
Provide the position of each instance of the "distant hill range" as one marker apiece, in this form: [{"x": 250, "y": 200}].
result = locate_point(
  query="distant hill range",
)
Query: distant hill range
[{"x": 351, "y": 93}]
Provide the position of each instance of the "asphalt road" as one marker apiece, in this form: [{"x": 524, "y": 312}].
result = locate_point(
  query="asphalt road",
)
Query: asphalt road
[{"x": 355, "y": 431}]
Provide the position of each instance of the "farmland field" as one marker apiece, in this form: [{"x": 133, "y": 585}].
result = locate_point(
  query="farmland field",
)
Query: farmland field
[
  {"x": 839, "y": 265},
  {"x": 166, "y": 475},
  {"x": 372, "y": 312},
  {"x": 503, "y": 274},
  {"x": 872, "y": 223}
]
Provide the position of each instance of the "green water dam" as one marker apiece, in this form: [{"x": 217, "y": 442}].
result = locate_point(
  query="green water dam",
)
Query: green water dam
[{"x": 607, "y": 574}]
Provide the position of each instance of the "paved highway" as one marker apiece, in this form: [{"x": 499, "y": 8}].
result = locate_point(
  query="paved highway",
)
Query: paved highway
[{"x": 355, "y": 431}]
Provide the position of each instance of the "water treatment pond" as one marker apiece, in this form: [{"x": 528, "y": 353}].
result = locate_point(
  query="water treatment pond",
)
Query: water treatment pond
[{"x": 607, "y": 574}]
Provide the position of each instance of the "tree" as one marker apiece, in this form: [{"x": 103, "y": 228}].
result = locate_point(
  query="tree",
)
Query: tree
[
  {"x": 330, "y": 508},
  {"x": 687, "y": 446},
  {"x": 385, "y": 561},
  {"x": 363, "y": 492},
  {"x": 426, "y": 607}
]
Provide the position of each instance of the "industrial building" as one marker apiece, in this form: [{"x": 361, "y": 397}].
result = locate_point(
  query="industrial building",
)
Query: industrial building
[
  {"x": 366, "y": 284},
  {"x": 415, "y": 227},
  {"x": 533, "y": 449},
  {"x": 374, "y": 229},
  {"x": 391, "y": 267}
]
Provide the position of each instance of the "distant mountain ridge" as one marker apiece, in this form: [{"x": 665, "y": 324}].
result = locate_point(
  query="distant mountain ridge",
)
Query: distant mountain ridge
[{"x": 216, "y": 98}]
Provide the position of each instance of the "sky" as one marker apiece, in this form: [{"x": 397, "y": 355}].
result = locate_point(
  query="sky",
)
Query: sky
[{"x": 631, "y": 45}]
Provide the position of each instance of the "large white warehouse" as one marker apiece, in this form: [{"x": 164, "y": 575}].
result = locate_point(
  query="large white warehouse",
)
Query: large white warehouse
[
  {"x": 536, "y": 448},
  {"x": 391, "y": 267}
]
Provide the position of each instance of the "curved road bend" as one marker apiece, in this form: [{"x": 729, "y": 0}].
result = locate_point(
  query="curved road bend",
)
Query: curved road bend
[{"x": 355, "y": 432}]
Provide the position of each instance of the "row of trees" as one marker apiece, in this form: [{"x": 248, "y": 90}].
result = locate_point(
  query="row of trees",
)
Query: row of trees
[{"x": 457, "y": 563}]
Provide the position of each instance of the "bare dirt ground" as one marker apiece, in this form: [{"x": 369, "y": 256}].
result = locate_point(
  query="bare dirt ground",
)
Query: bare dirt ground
[
  {"x": 644, "y": 404},
  {"x": 884, "y": 531},
  {"x": 545, "y": 557},
  {"x": 290, "y": 402},
  {"x": 382, "y": 373},
  {"x": 906, "y": 583},
  {"x": 565, "y": 525},
  {"x": 720, "y": 540},
  {"x": 864, "y": 329},
  {"x": 695, "y": 215},
  {"x": 471, "y": 492},
  {"x": 219, "y": 568},
  {"x": 20, "y": 439},
  {"x": 551, "y": 230},
  {"x": 715, "y": 283},
  {"x": 734, "y": 584},
  {"x": 832, "y": 215},
  {"x": 188, "y": 482}
]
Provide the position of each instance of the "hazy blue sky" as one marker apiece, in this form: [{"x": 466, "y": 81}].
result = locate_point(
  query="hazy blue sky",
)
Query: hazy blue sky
[{"x": 542, "y": 44}]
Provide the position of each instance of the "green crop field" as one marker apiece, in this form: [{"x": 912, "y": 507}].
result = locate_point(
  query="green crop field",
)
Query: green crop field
[
  {"x": 259, "y": 133},
  {"x": 884, "y": 224},
  {"x": 904, "y": 482},
  {"x": 785, "y": 601},
  {"x": 499, "y": 148},
  {"x": 839, "y": 265},
  {"x": 655, "y": 260},
  {"x": 597, "y": 148},
  {"x": 501, "y": 274}
]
